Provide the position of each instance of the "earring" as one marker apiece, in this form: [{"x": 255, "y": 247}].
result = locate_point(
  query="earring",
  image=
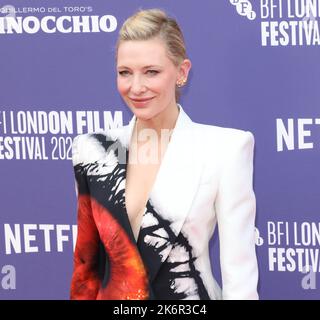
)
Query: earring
[{"x": 181, "y": 83}]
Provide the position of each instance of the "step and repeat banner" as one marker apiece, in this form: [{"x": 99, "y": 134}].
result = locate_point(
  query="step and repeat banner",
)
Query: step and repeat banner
[{"x": 256, "y": 67}]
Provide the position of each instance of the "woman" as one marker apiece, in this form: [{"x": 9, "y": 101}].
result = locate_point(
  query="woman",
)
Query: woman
[{"x": 151, "y": 193}]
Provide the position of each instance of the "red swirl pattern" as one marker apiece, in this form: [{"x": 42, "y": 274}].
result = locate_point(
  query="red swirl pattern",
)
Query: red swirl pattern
[{"x": 128, "y": 277}]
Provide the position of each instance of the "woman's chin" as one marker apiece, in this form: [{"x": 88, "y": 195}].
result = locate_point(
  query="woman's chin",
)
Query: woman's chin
[
  {"x": 143, "y": 116},
  {"x": 142, "y": 113}
]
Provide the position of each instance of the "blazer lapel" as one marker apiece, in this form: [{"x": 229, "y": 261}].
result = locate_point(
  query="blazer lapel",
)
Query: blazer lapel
[{"x": 172, "y": 195}]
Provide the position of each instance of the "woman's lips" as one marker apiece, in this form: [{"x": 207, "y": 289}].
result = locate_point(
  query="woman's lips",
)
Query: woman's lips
[{"x": 141, "y": 102}]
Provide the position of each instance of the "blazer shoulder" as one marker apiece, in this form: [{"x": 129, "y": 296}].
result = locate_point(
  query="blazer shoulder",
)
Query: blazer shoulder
[
  {"x": 80, "y": 144},
  {"x": 90, "y": 147},
  {"x": 223, "y": 135}
]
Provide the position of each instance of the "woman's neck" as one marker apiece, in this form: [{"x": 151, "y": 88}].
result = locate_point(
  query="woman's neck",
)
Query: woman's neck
[
  {"x": 151, "y": 137},
  {"x": 164, "y": 120}
]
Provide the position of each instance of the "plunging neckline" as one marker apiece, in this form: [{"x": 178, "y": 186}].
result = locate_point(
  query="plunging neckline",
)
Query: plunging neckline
[
  {"x": 160, "y": 169},
  {"x": 145, "y": 207}
]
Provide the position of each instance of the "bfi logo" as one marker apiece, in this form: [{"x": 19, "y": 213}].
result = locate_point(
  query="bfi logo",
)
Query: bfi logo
[{"x": 244, "y": 8}]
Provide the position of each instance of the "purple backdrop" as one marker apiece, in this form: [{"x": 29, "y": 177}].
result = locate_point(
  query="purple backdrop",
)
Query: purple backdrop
[{"x": 255, "y": 67}]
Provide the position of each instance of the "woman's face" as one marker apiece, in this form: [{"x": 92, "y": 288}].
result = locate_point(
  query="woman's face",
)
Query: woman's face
[{"x": 147, "y": 77}]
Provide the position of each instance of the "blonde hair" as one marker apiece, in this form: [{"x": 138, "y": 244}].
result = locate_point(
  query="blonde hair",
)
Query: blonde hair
[{"x": 151, "y": 23}]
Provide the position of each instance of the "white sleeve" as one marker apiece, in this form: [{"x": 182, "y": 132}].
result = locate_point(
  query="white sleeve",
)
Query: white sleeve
[{"x": 235, "y": 208}]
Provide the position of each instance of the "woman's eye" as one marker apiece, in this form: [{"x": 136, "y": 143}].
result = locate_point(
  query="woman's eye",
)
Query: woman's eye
[
  {"x": 123, "y": 73},
  {"x": 152, "y": 72}
]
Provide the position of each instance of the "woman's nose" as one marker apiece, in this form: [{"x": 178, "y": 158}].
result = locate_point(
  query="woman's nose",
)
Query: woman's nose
[{"x": 137, "y": 85}]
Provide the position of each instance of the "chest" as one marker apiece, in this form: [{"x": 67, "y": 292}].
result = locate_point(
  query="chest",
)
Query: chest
[
  {"x": 139, "y": 182},
  {"x": 140, "y": 179}
]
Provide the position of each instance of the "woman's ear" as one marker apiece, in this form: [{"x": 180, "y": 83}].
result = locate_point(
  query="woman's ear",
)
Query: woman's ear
[{"x": 184, "y": 69}]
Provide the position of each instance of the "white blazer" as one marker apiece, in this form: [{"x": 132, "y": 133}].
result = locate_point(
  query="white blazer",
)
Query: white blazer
[{"x": 205, "y": 180}]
